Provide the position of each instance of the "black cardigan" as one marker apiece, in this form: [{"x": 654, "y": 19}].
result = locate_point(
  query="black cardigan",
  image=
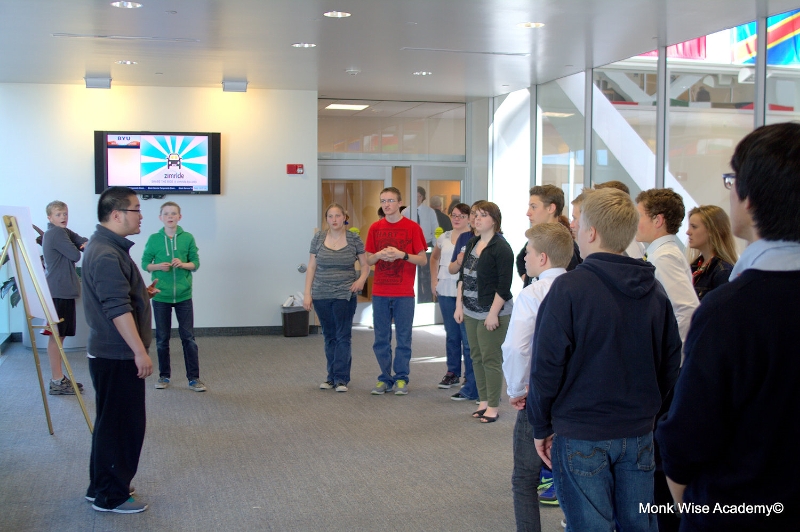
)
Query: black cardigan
[
  {"x": 716, "y": 274},
  {"x": 495, "y": 269}
]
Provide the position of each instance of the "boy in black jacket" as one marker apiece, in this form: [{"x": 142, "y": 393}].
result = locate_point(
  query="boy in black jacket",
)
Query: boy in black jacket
[{"x": 606, "y": 354}]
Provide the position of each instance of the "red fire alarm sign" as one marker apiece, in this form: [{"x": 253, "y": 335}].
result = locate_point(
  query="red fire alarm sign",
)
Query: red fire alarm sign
[{"x": 294, "y": 169}]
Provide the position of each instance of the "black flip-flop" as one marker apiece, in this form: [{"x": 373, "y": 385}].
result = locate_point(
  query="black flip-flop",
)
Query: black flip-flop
[
  {"x": 487, "y": 419},
  {"x": 478, "y": 413}
]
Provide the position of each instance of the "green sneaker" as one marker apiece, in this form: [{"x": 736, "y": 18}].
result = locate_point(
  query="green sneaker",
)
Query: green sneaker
[
  {"x": 380, "y": 388},
  {"x": 402, "y": 387}
]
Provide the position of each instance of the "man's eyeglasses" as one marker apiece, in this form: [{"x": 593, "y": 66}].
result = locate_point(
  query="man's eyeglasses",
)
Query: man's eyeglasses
[
  {"x": 458, "y": 216},
  {"x": 388, "y": 201},
  {"x": 728, "y": 179},
  {"x": 130, "y": 210}
]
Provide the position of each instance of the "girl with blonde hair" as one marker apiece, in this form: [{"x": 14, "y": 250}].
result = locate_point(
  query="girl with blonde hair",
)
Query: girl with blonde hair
[{"x": 712, "y": 250}]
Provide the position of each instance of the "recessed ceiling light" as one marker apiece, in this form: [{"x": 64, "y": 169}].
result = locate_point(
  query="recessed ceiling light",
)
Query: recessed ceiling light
[
  {"x": 126, "y": 5},
  {"x": 353, "y": 71},
  {"x": 553, "y": 114},
  {"x": 530, "y": 25},
  {"x": 337, "y": 14},
  {"x": 423, "y": 73},
  {"x": 126, "y": 62},
  {"x": 346, "y": 107},
  {"x": 304, "y": 45}
]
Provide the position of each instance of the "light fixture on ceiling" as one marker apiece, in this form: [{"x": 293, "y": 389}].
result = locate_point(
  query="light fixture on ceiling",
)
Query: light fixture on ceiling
[
  {"x": 126, "y": 5},
  {"x": 229, "y": 85},
  {"x": 553, "y": 114},
  {"x": 353, "y": 71},
  {"x": 530, "y": 25},
  {"x": 346, "y": 107},
  {"x": 96, "y": 82},
  {"x": 304, "y": 45},
  {"x": 337, "y": 14},
  {"x": 422, "y": 73},
  {"x": 126, "y": 62}
]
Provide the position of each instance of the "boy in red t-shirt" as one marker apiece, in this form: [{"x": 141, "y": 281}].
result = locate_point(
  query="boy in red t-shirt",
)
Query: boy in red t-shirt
[{"x": 396, "y": 246}]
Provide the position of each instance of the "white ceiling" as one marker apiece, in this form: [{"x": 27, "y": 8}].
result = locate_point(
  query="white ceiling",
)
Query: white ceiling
[{"x": 473, "y": 48}]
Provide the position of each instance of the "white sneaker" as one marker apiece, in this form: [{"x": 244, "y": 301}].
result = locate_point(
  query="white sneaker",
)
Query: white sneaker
[
  {"x": 327, "y": 385},
  {"x": 341, "y": 387}
]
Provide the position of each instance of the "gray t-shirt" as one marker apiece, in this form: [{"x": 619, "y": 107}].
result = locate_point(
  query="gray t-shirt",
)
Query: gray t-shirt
[{"x": 336, "y": 270}]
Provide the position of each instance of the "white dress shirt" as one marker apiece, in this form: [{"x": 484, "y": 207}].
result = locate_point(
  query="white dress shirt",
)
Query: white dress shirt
[
  {"x": 675, "y": 275},
  {"x": 518, "y": 345},
  {"x": 427, "y": 220}
]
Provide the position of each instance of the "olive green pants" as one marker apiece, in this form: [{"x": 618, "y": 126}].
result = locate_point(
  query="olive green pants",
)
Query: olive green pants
[{"x": 487, "y": 357}]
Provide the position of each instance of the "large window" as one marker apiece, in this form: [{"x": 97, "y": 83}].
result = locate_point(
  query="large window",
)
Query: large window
[
  {"x": 561, "y": 134},
  {"x": 397, "y": 131},
  {"x": 783, "y": 67},
  {"x": 711, "y": 95},
  {"x": 624, "y": 123}
]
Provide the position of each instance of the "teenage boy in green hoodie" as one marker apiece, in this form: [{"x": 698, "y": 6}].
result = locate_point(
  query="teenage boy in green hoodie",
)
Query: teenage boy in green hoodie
[{"x": 171, "y": 256}]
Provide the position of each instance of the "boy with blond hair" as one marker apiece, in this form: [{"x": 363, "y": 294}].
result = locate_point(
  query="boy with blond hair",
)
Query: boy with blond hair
[
  {"x": 606, "y": 353},
  {"x": 171, "y": 255},
  {"x": 548, "y": 253},
  {"x": 61, "y": 249}
]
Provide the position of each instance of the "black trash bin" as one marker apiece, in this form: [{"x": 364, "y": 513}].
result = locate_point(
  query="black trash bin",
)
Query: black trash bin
[{"x": 295, "y": 321}]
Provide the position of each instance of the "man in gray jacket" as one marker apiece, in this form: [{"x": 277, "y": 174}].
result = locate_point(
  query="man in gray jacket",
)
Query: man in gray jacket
[{"x": 117, "y": 305}]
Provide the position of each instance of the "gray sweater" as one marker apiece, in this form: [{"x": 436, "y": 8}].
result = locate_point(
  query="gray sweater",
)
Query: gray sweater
[
  {"x": 112, "y": 287},
  {"x": 61, "y": 250}
]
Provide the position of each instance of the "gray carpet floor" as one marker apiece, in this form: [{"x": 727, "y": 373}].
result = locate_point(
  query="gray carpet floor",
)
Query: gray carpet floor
[{"x": 265, "y": 449}]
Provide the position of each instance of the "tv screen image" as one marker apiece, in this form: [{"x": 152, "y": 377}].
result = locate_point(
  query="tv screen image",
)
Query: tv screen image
[{"x": 158, "y": 163}]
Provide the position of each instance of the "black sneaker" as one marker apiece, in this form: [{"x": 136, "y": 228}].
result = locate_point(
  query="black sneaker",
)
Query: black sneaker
[
  {"x": 459, "y": 397},
  {"x": 449, "y": 380}
]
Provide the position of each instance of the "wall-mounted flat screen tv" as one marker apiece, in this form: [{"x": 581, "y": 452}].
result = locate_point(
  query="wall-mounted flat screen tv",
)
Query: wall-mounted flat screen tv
[{"x": 157, "y": 162}]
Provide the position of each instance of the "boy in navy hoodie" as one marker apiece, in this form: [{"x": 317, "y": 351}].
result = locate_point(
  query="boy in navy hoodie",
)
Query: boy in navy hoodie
[{"x": 606, "y": 353}]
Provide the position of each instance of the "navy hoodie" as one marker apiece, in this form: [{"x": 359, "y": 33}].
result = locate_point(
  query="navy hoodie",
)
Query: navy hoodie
[{"x": 606, "y": 351}]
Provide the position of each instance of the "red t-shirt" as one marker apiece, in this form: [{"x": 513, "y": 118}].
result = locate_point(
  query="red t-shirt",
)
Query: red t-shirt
[{"x": 395, "y": 279}]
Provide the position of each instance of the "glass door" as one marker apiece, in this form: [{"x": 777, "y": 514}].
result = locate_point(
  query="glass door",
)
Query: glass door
[
  {"x": 437, "y": 189},
  {"x": 357, "y": 188}
]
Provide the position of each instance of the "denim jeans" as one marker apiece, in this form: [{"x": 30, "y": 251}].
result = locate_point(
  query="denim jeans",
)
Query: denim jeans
[
  {"x": 336, "y": 318},
  {"x": 455, "y": 343},
  {"x": 163, "y": 316},
  {"x": 601, "y": 483},
  {"x": 525, "y": 478},
  {"x": 384, "y": 309}
]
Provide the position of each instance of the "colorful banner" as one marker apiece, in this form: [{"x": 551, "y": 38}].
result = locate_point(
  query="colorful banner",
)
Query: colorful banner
[
  {"x": 693, "y": 49},
  {"x": 783, "y": 40}
]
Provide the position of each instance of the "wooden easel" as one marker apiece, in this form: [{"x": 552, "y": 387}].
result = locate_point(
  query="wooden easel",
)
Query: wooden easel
[{"x": 17, "y": 245}]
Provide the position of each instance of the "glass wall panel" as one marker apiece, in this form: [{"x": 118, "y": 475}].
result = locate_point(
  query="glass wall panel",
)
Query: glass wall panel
[
  {"x": 397, "y": 131},
  {"x": 561, "y": 134},
  {"x": 711, "y": 108},
  {"x": 783, "y": 67},
  {"x": 624, "y": 123}
]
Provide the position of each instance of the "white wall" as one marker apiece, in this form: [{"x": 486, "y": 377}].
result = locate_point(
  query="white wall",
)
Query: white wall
[{"x": 251, "y": 238}]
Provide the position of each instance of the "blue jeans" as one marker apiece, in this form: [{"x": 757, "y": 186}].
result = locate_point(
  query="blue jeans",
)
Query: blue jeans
[
  {"x": 601, "y": 483},
  {"x": 455, "y": 343},
  {"x": 162, "y": 312},
  {"x": 384, "y": 309},
  {"x": 525, "y": 478},
  {"x": 336, "y": 318}
]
